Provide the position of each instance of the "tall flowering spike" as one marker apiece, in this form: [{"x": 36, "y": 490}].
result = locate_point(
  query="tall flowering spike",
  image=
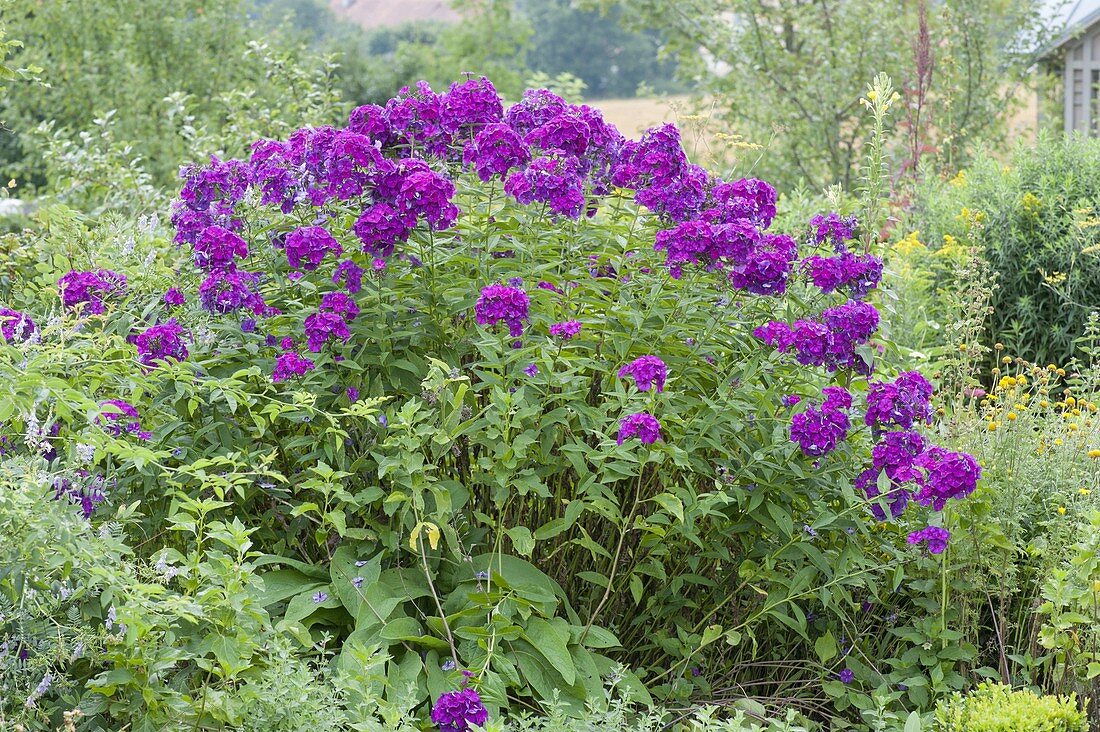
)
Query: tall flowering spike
[
  {"x": 904, "y": 402},
  {"x": 92, "y": 288},
  {"x": 503, "y": 304},
  {"x": 935, "y": 537},
  {"x": 16, "y": 326},
  {"x": 642, "y": 425},
  {"x": 160, "y": 343},
  {"x": 947, "y": 475},
  {"x": 646, "y": 371},
  {"x": 120, "y": 418},
  {"x": 818, "y": 431},
  {"x": 290, "y": 365},
  {"x": 456, "y": 711},
  {"x": 306, "y": 247}
]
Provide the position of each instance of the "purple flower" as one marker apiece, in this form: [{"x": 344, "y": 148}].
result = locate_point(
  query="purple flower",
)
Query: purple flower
[
  {"x": 935, "y": 537},
  {"x": 319, "y": 597},
  {"x": 455, "y": 711},
  {"x": 531, "y": 369},
  {"x": 91, "y": 288},
  {"x": 219, "y": 181},
  {"x": 904, "y": 402},
  {"x": 819, "y": 430},
  {"x": 846, "y": 676},
  {"x": 82, "y": 488},
  {"x": 642, "y": 425},
  {"x": 321, "y": 327},
  {"x": 946, "y": 475},
  {"x": 173, "y": 296},
  {"x": 219, "y": 248},
  {"x": 856, "y": 273},
  {"x": 119, "y": 418},
  {"x": 369, "y": 120},
  {"x": 425, "y": 195},
  {"x": 248, "y": 325},
  {"x": 160, "y": 343},
  {"x": 646, "y": 371},
  {"x": 341, "y": 304},
  {"x": 352, "y": 394},
  {"x": 380, "y": 228},
  {"x": 225, "y": 291},
  {"x": 290, "y": 365},
  {"x": 306, "y": 247},
  {"x": 553, "y": 179},
  {"x": 833, "y": 228},
  {"x": 16, "y": 326},
  {"x": 544, "y": 285},
  {"x": 350, "y": 273},
  {"x": 748, "y": 198},
  {"x": 832, "y": 342},
  {"x": 767, "y": 267},
  {"x": 791, "y": 400},
  {"x": 495, "y": 151},
  {"x": 500, "y": 303},
  {"x": 567, "y": 330}
]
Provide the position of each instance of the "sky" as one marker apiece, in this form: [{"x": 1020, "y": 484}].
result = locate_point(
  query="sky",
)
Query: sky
[{"x": 1074, "y": 10}]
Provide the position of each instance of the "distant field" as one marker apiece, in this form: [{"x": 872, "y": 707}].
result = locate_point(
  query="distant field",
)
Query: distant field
[{"x": 634, "y": 116}]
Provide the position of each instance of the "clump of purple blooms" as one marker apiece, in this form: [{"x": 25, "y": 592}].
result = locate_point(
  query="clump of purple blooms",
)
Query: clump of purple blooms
[
  {"x": 290, "y": 365},
  {"x": 830, "y": 342},
  {"x": 934, "y": 537},
  {"x": 503, "y": 304},
  {"x": 456, "y": 711},
  {"x": 904, "y": 402},
  {"x": 567, "y": 330},
  {"x": 16, "y": 326},
  {"x": 646, "y": 371},
  {"x": 642, "y": 425},
  {"x": 306, "y": 247},
  {"x": 90, "y": 288},
  {"x": 818, "y": 430},
  {"x": 161, "y": 342}
]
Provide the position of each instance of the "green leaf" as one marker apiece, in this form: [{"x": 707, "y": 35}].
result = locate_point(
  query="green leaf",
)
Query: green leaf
[
  {"x": 825, "y": 647},
  {"x": 913, "y": 724},
  {"x": 551, "y": 639},
  {"x": 522, "y": 540}
]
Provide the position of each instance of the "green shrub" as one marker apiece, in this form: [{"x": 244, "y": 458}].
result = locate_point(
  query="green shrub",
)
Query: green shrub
[
  {"x": 997, "y": 708},
  {"x": 1035, "y": 221}
]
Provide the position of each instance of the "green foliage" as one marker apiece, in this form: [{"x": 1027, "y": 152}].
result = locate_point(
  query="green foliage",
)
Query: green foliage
[
  {"x": 1034, "y": 221},
  {"x": 612, "y": 61},
  {"x": 803, "y": 65},
  {"x": 997, "y": 708}
]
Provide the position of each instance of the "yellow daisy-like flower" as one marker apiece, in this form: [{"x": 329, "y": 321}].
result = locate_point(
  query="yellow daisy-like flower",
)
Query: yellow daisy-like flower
[
  {"x": 1072, "y": 427},
  {"x": 1084, "y": 491},
  {"x": 1094, "y": 454},
  {"x": 1011, "y": 416},
  {"x": 1044, "y": 403},
  {"x": 1057, "y": 440},
  {"x": 1061, "y": 510},
  {"x": 992, "y": 426}
]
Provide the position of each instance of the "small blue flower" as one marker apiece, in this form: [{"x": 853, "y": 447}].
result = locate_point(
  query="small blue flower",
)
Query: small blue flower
[
  {"x": 320, "y": 597},
  {"x": 357, "y": 583}
]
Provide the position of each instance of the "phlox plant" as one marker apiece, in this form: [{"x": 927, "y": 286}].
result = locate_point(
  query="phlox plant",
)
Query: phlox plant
[{"x": 505, "y": 396}]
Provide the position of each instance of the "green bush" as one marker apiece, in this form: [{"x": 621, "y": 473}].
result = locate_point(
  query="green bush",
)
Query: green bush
[
  {"x": 1035, "y": 220},
  {"x": 997, "y": 708}
]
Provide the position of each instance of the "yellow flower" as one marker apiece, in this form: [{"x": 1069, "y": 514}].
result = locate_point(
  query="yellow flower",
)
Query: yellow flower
[
  {"x": 1061, "y": 510},
  {"x": 1044, "y": 403},
  {"x": 999, "y": 347},
  {"x": 985, "y": 402},
  {"x": 1057, "y": 440},
  {"x": 1094, "y": 454},
  {"x": 1051, "y": 367},
  {"x": 1076, "y": 412},
  {"x": 1011, "y": 416},
  {"x": 1071, "y": 427},
  {"x": 1084, "y": 491},
  {"x": 1006, "y": 360},
  {"x": 992, "y": 426},
  {"x": 1021, "y": 380},
  {"x": 1071, "y": 401},
  {"x": 1061, "y": 372},
  {"x": 960, "y": 179},
  {"x": 941, "y": 411},
  {"x": 962, "y": 347}
]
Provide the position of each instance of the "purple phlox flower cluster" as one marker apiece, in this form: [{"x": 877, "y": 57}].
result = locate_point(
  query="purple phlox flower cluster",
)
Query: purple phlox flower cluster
[
  {"x": 946, "y": 475},
  {"x": 226, "y": 291},
  {"x": 174, "y": 296},
  {"x": 91, "y": 288},
  {"x": 554, "y": 179},
  {"x": 748, "y": 198},
  {"x": 350, "y": 273},
  {"x": 416, "y": 119},
  {"x": 566, "y": 330},
  {"x": 768, "y": 266},
  {"x": 456, "y": 711},
  {"x": 370, "y": 121},
  {"x": 425, "y": 195},
  {"x": 535, "y": 108},
  {"x": 321, "y": 327},
  {"x": 544, "y": 285},
  {"x": 190, "y": 224},
  {"x": 496, "y": 150},
  {"x": 341, "y": 304},
  {"x": 219, "y": 248},
  {"x": 818, "y": 431},
  {"x": 219, "y": 181},
  {"x": 471, "y": 105},
  {"x": 380, "y": 227},
  {"x": 904, "y": 402},
  {"x": 646, "y": 371},
  {"x": 790, "y": 400},
  {"x": 352, "y": 394},
  {"x": 833, "y": 228},
  {"x": 857, "y": 274},
  {"x": 501, "y": 303},
  {"x": 290, "y": 365},
  {"x": 896, "y": 454},
  {"x": 935, "y": 537},
  {"x": 711, "y": 245},
  {"x": 120, "y": 418},
  {"x": 306, "y": 247},
  {"x": 83, "y": 489},
  {"x": 657, "y": 169},
  {"x": 832, "y": 342},
  {"x": 581, "y": 133},
  {"x": 161, "y": 342},
  {"x": 16, "y": 326},
  {"x": 642, "y": 425}
]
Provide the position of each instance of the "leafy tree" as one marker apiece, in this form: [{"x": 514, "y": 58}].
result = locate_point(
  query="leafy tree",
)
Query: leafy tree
[
  {"x": 795, "y": 69},
  {"x": 611, "y": 60}
]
